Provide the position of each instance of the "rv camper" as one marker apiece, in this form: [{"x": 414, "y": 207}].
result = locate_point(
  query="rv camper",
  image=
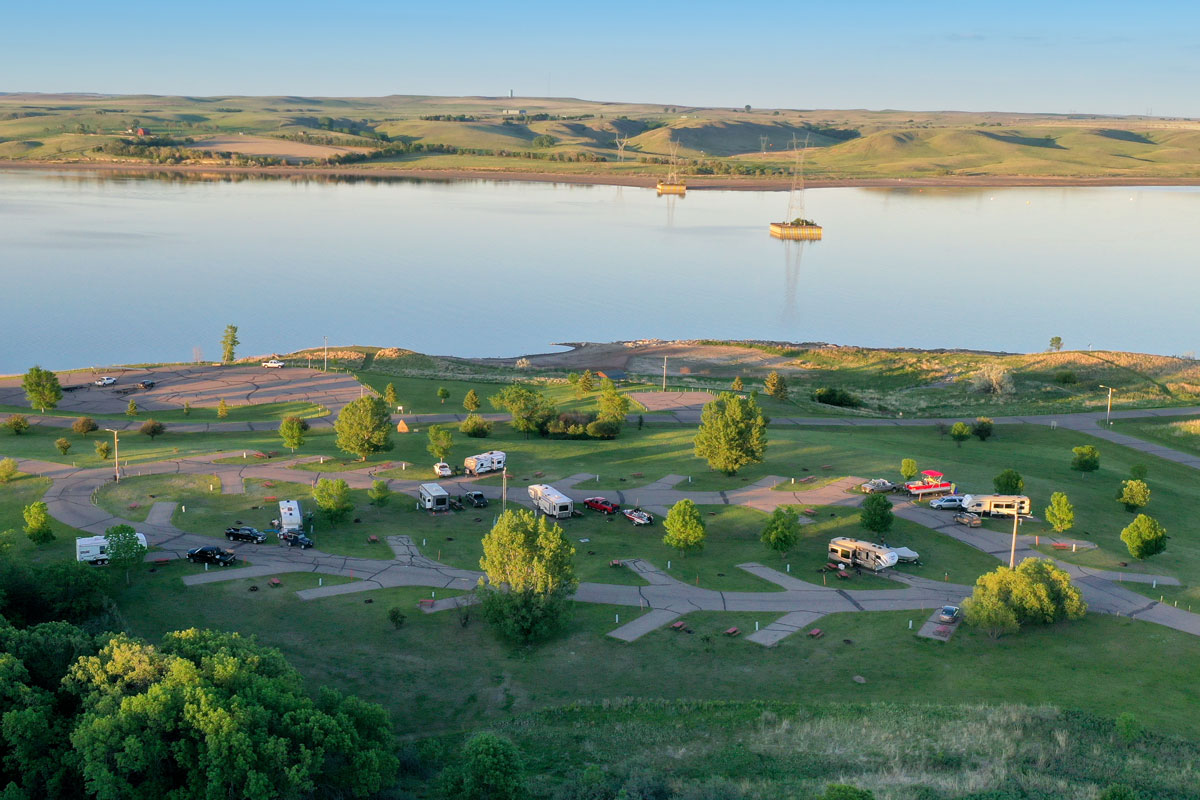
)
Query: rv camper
[
  {"x": 490, "y": 461},
  {"x": 861, "y": 554},
  {"x": 550, "y": 501},
  {"x": 996, "y": 505},
  {"x": 92, "y": 549},
  {"x": 291, "y": 519},
  {"x": 432, "y": 497}
]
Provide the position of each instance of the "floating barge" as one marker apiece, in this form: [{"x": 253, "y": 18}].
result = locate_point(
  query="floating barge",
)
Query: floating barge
[
  {"x": 671, "y": 188},
  {"x": 793, "y": 230}
]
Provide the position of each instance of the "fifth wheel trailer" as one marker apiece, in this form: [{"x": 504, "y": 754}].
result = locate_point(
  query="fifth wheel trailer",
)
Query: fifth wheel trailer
[
  {"x": 862, "y": 554},
  {"x": 996, "y": 505},
  {"x": 490, "y": 461},
  {"x": 550, "y": 501}
]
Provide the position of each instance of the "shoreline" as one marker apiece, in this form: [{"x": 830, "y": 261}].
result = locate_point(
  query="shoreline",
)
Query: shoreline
[{"x": 695, "y": 182}]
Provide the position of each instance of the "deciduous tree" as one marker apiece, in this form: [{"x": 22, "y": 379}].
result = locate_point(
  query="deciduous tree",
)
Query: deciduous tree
[
  {"x": 908, "y": 468},
  {"x": 443, "y": 394},
  {"x": 364, "y": 427},
  {"x": 292, "y": 431},
  {"x": 475, "y": 426},
  {"x": 877, "y": 515},
  {"x": 17, "y": 424},
  {"x": 104, "y": 449},
  {"x": 333, "y": 497},
  {"x": 492, "y": 769},
  {"x": 123, "y": 549},
  {"x": 440, "y": 442},
  {"x": 152, "y": 428},
  {"x": 8, "y": 469},
  {"x": 1144, "y": 537},
  {"x": 229, "y": 343},
  {"x": 1135, "y": 494},
  {"x": 982, "y": 428},
  {"x": 379, "y": 493},
  {"x": 1060, "y": 514},
  {"x": 530, "y": 412},
  {"x": 1056, "y": 343},
  {"x": 37, "y": 523},
  {"x": 42, "y": 389},
  {"x": 732, "y": 434},
  {"x": 62, "y": 445},
  {"x": 684, "y": 528},
  {"x": 782, "y": 530},
  {"x": 960, "y": 432},
  {"x": 1008, "y": 482},
  {"x": 1037, "y": 592},
  {"x": 84, "y": 425},
  {"x": 530, "y": 577},
  {"x": 1086, "y": 459}
]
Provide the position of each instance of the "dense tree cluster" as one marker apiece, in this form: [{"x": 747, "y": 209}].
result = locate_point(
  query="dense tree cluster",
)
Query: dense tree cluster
[{"x": 1035, "y": 593}]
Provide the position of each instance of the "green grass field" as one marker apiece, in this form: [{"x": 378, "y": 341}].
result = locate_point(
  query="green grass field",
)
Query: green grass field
[{"x": 1177, "y": 433}]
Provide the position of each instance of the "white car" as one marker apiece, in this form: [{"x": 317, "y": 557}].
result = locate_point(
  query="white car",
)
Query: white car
[
  {"x": 951, "y": 502},
  {"x": 274, "y": 363},
  {"x": 105, "y": 381},
  {"x": 442, "y": 469}
]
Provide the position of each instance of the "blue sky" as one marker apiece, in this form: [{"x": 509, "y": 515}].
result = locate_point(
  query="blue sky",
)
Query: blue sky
[{"x": 1103, "y": 57}]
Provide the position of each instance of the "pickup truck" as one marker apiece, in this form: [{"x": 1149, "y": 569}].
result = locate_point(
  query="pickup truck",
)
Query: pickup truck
[
  {"x": 244, "y": 533},
  {"x": 602, "y": 504}
]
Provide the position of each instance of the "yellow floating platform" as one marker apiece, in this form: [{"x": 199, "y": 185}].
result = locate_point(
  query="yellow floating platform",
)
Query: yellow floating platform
[
  {"x": 672, "y": 188},
  {"x": 786, "y": 230}
]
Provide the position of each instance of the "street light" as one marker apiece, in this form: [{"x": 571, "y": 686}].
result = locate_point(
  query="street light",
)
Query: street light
[
  {"x": 1012, "y": 556},
  {"x": 326, "y": 368},
  {"x": 116, "y": 455},
  {"x": 1108, "y": 414}
]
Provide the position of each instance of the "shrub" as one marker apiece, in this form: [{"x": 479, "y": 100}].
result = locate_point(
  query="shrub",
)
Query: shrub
[
  {"x": 475, "y": 426},
  {"x": 603, "y": 429},
  {"x": 63, "y": 445},
  {"x": 992, "y": 379},
  {"x": 152, "y": 428},
  {"x": 833, "y": 396},
  {"x": 8, "y": 469},
  {"x": 84, "y": 425},
  {"x": 1086, "y": 458},
  {"x": 397, "y": 617},
  {"x": 983, "y": 427},
  {"x": 1128, "y": 728},
  {"x": 1144, "y": 537},
  {"x": 17, "y": 424},
  {"x": 1066, "y": 378},
  {"x": 103, "y": 449}
]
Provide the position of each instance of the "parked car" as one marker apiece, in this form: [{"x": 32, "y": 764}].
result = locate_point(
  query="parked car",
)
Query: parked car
[
  {"x": 877, "y": 485},
  {"x": 244, "y": 533},
  {"x": 949, "y": 614},
  {"x": 602, "y": 504},
  {"x": 442, "y": 469},
  {"x": 211, "y": 555},
  {"x": 968, "y": 519},
  {"x": 638, "y": 517},
  {"x": 293, "y": 539},
  {"x": 147, "y": 384},
  {"x": 949, "y": 502},
  {"x": 105, "y": 381},
  {"x": 273, "y": 363},
  {"x": 476, "y": 499}
]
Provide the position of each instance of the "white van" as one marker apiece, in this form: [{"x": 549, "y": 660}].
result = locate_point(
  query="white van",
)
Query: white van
[
  {"x": 862, "y": 554},
  {"x": 92, "y": 549},
  {"x": 550, "y": 501},
  {"x": 996, "y": 505},
  {"x": 432, "y": 497},
  {"x": 490, "y": 461}
]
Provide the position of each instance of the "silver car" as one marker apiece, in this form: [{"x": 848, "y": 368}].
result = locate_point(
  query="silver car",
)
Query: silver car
[{"x": 951, "y": 502}]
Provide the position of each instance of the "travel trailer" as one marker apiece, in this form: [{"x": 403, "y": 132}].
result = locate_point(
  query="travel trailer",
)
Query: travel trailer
[
  {"x": 490, "y": 461},
  {"x": 861, "y": 554},
  {"x": 91, "y": 549},
  {"x": 291, "y": 519},
  {"x": 550, "y": 501},
  {"x": 996, "y": 505},
  {"x": 432, "y": 497}
]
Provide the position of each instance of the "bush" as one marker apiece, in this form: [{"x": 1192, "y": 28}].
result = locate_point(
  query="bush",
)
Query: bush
[
  {"x": 475, "y": 426},
  {"x": 603, "y": 429},
  {"x": 84, "y": 425},
  {"x": 1144, "y": 537},
  {"x": 992, "y": 379},
  {"x": 1066, "y": 378},
  {"x": 832, "y": 396},
  {"x": 63, "y": 445},
  {"x": 17, "y": 424},
  {"x": 570, "y": 425},
  {"x": 397, "y": 617},
  {"x": 1128, "y": 728},
  {"x": 152, "y": 428},
  {"x": 8, "y": 469}
]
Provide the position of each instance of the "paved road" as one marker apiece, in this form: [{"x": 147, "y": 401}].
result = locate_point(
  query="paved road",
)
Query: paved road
[{"x": 662, "y": 597}]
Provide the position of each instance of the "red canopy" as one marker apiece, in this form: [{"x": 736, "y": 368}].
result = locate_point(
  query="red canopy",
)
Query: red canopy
[{"x": 932, "y": 473}]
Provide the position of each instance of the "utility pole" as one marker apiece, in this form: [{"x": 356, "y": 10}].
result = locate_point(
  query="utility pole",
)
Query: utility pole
[
  {"x": 1108, "y": 413},
  {"x": 1012, "y": 556},
  {"x": 116, "y": 455},
  {"x": 504, "y": 490},
  {"x": 326, "y": 354},
  {"x": 664, "y": 373}
]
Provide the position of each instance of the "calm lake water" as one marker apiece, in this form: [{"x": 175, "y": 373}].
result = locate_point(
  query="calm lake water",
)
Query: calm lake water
[{"x": 108, "y": 269}]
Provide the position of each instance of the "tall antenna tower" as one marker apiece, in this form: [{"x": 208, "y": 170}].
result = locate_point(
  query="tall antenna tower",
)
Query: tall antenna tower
[
  {"x": 762, "y": 143},
  {"x": 621, "y": 142}
]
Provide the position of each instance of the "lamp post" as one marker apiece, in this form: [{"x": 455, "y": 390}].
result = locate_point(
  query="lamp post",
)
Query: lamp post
[
  {"x": 1108, "y": 413},
  {"x": 326, "y": 367},
  {"x": 1012, "y": 556},
  {"x": 116, "y": 455}
]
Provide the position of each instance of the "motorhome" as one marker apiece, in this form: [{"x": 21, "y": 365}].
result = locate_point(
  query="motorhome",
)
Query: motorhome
[
  {"x": 432, "y": 497},
  {"x": 550, "y": 501},
  {"x": 862, "y": 554},
  {"x": 93, "y": 549},
  {"x": 490, "y": 461},
  {"x": 291, "y": 519},
  {"x": 996, "y": 505}
]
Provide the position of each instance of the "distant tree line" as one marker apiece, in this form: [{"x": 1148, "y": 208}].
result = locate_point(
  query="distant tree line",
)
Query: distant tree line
[{"x": 407, "y": 148}]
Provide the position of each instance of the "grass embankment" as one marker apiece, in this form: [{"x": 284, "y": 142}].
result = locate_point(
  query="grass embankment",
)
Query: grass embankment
[
  {"x": 1177, "y": 433},
  {"x": 264, "y": 412}
]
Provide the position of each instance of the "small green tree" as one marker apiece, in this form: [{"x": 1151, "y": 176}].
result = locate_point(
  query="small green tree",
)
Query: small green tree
[
  {"x": 364, "y": 427},
  {"x": 1135, "y": 494},
  {"x": 42, "y": 389},
  {"x": 1060, "y": 514},
  {"x": 1139, "y": 472},
  {"x": 732, "y": 434},
  {"x": 960, "y": 432},
  {"x": 152, "y": 428},
  {"x": 333, "y": 497},
  {"x": 104, "y": 449},
  {"x": 612, "y": 406},
  {"x": 737, "y": 384},
  {"x": 492, "y": 769},
  {"x": 17, "y": 424},
  {"x": 982, "y": 428},
  {"x": 877, "y": 515},
  {"x": 776, "y": 386},
  {"x": 1144, "y": 537},
  {"x": 187, "y": 408},
  {"x": 389, "y": 395},
  {"x": 63, "y": 445},
  {"x": 1086, "y": 459},
  {"x": 1128, "y": 727},
  {"x": 684, "y": 528},
  {"x": 379, "y": 493},
  {"x": 440, "y": 442},
  {"x": 475, "y": 426},
  {"x": 131, "y": 410},
  {"x": 585, "y": 384},
  {"x": 782, "y": 530},
  {"x": 123, "y": 548},
  {"x": 8, "y": 469},
  {"x": 292, "y": 431},
  {"x": 1119, "y": 791},
  {"x": 908, "y": 468},
  {"x": 443, "y": 394},
  {"x": 222, "y": 409},
  {"x": 229, "y": 343},
  {"x": 396, "y": 616},
  {"x": 84, "y": 425},
  {"x": 471, "y": 401},
  {"x": 1056, "y": 343},
  {"x": 37, "y": 523},
  {"x": 991, "y": 615},
  {"x": 1008, "y": 482},
  {"x": 844, "y": 791}
]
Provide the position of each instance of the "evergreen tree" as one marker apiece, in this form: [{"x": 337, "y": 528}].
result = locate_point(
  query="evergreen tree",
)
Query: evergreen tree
[
  {"x": 737, "y": 384},
  {"x": 389, "y": 395},
  {"x": 229, "y": 343},
  {"x": 776, "y": 386},
  {"x": 471, "y": 401},
  {"x": 732, "y": 434}
]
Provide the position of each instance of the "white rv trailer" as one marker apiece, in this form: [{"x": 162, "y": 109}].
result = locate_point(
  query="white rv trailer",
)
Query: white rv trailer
[
  {"x": 490, "y": 461},
  {"x": 432, "y": 497},
  {"x": 862, "y": 554},
  {"x": 996, "y": 505},
  {"x": 550, "y": 501},
  {"x": 291, "y": 519},
  {"x": 93, "y": 549}
]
